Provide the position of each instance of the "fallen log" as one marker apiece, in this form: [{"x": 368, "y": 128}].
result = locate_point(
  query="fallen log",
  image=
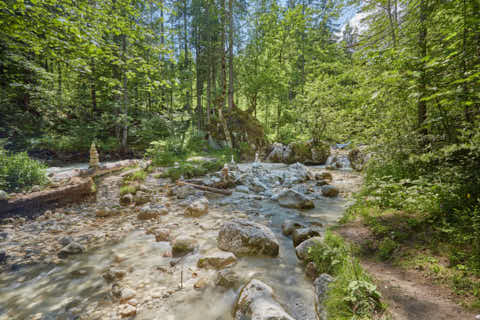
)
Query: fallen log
[
  {"x": 82, "y": 188},
  {"x": 205, "y": 188}
]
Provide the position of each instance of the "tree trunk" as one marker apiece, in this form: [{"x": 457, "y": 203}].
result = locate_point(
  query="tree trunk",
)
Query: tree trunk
[
  {"x": 222, "y": 55},
  {"x": 230, "y": 56},
  {"x": 422, "y": 43},
  {"x": 125, "y": 95}
]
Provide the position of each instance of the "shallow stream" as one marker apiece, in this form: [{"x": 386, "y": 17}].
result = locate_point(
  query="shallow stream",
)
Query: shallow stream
[{"x": 76, "y": 289}]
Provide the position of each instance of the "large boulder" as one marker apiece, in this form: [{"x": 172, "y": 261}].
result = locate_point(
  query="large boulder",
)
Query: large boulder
[
  {"x": 244, "y": 237},
  {"x": 294, "y": 199},
  {"x": 257, "y": 302},
  {"x": 300, "y": 151},
  {"x": 279, "y": 153},
  {"x": 3, "y": 196}
]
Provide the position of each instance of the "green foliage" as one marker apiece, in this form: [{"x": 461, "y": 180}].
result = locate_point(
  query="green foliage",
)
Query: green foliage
[
  {"x": 352, "y": 295},
  {"x": 19, "y": 172},
  {"x": 136, "y": 176},
  {"x": 386, "y": 248},
  {"x": 128, "y": 189},
  {"x": 191, "y": 169}
]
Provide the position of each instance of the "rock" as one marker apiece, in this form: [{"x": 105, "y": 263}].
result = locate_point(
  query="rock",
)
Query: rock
[
  {"x": 126, "y": 199},
  {"x": 289, "y": 226},
  {"x": 200, "y": 284},
  {"x": 102, "y": 212},
  {"x": 324, "y": 175},
  {"x": 64, "y": 241},
  {"x": 227, "y": 278},
  {"x": 127, "y": 310},
  {"x": 320, "y": 183},
  {"x": 184, "y": 192},
  {"x": 3, "y": 257},
  {"x": 302, "y": 249},
  {"x": 330, "y": 191},
  {"x": 183, "y": 245},
  {"x": 36, "y": 189},
  {"x": 321, "y": 290},
  {"x": 308, "y": 152},
  {"x": 242, "y": 189},
  {"x": 244, "y": 237},
  {"x": 141, "y": 198},
  {"x": 113, "y": 274},
  {"x": 127, "y": 294},
  {"x": 147, "y": 213},
  {"x": 161, "y": 235},
  {"x": 279, "y": 153},
  {"x": 216, "y": 260},
  {"x": 311, "y": 270},
  {"x": 302, "y": 234},
  {"x": 358, "y": 158},
  {"x": 294, "y": 199},
  {"x": 70, "y": 249},
  {"x": 197, "y": 208},
  {"x": 257, "y": 302},
  {"x": 3, "y": 196}
]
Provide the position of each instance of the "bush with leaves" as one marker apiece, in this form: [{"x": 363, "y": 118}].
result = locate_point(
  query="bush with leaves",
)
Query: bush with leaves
[
  {"x": 352, "y": 295},
  {"x": 19, "y": 172}
]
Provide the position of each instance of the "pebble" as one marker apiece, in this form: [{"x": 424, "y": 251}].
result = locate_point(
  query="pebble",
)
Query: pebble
[{"x": 126, "y": 310}]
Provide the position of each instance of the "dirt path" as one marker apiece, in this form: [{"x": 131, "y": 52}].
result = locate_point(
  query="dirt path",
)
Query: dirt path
[{"x": 408, "y": 294}]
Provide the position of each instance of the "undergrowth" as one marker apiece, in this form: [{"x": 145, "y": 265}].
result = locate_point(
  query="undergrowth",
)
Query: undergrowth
[
  {"x": 352, "y": 295},
  {"x": 19, "y": 172}
]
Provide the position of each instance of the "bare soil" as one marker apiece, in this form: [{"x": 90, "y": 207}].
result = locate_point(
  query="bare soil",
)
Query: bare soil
[{"x": 408, "y": 293}]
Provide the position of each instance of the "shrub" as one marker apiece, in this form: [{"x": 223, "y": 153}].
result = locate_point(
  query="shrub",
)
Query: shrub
[
  {"x": 352, "y": 295},
  {"x": 19, "y": 172}
]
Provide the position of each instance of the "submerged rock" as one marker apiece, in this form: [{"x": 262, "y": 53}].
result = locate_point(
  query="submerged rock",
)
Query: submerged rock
[
  {"x": 330, "y": 191},
  {"x": 227, "y": 278},
  {"x": 244, "y": 237},
  {"x": 294, "y": 199},
  {"x": 257, "y": 302},
  {"x": 216, "y": 260},
  {"x": 70, "y": 249},
  {"x": 197, "y": 208},
  {"x": 289, "y": 226}
]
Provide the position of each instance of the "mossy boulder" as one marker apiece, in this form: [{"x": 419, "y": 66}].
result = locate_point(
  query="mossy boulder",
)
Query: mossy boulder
[
  {"x": 246, "y": 132},
  {"x": 308, "y": 152}
]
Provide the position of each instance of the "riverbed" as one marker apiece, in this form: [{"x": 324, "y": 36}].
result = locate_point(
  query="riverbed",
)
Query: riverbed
[{"x": 40, "y": 285}]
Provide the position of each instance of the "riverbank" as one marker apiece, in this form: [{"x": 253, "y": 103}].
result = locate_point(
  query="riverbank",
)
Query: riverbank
[{"x": 410, "y": 265}]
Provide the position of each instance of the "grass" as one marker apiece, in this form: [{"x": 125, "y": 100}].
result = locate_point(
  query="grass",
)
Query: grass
[
  {"x": 352, "y": 295},
  {"x": 138, "y": 176},
  {"x": 191, "y": 169}
]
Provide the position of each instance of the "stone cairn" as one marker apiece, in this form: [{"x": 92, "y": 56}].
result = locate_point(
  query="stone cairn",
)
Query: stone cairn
[{"x": 94, "y": 163}]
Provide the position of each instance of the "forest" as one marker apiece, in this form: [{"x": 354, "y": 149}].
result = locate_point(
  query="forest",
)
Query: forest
[{"x": 167, "y": 79}]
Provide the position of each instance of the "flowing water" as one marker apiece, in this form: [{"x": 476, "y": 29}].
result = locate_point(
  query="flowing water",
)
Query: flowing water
[{"x": 76, "y": 288}]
